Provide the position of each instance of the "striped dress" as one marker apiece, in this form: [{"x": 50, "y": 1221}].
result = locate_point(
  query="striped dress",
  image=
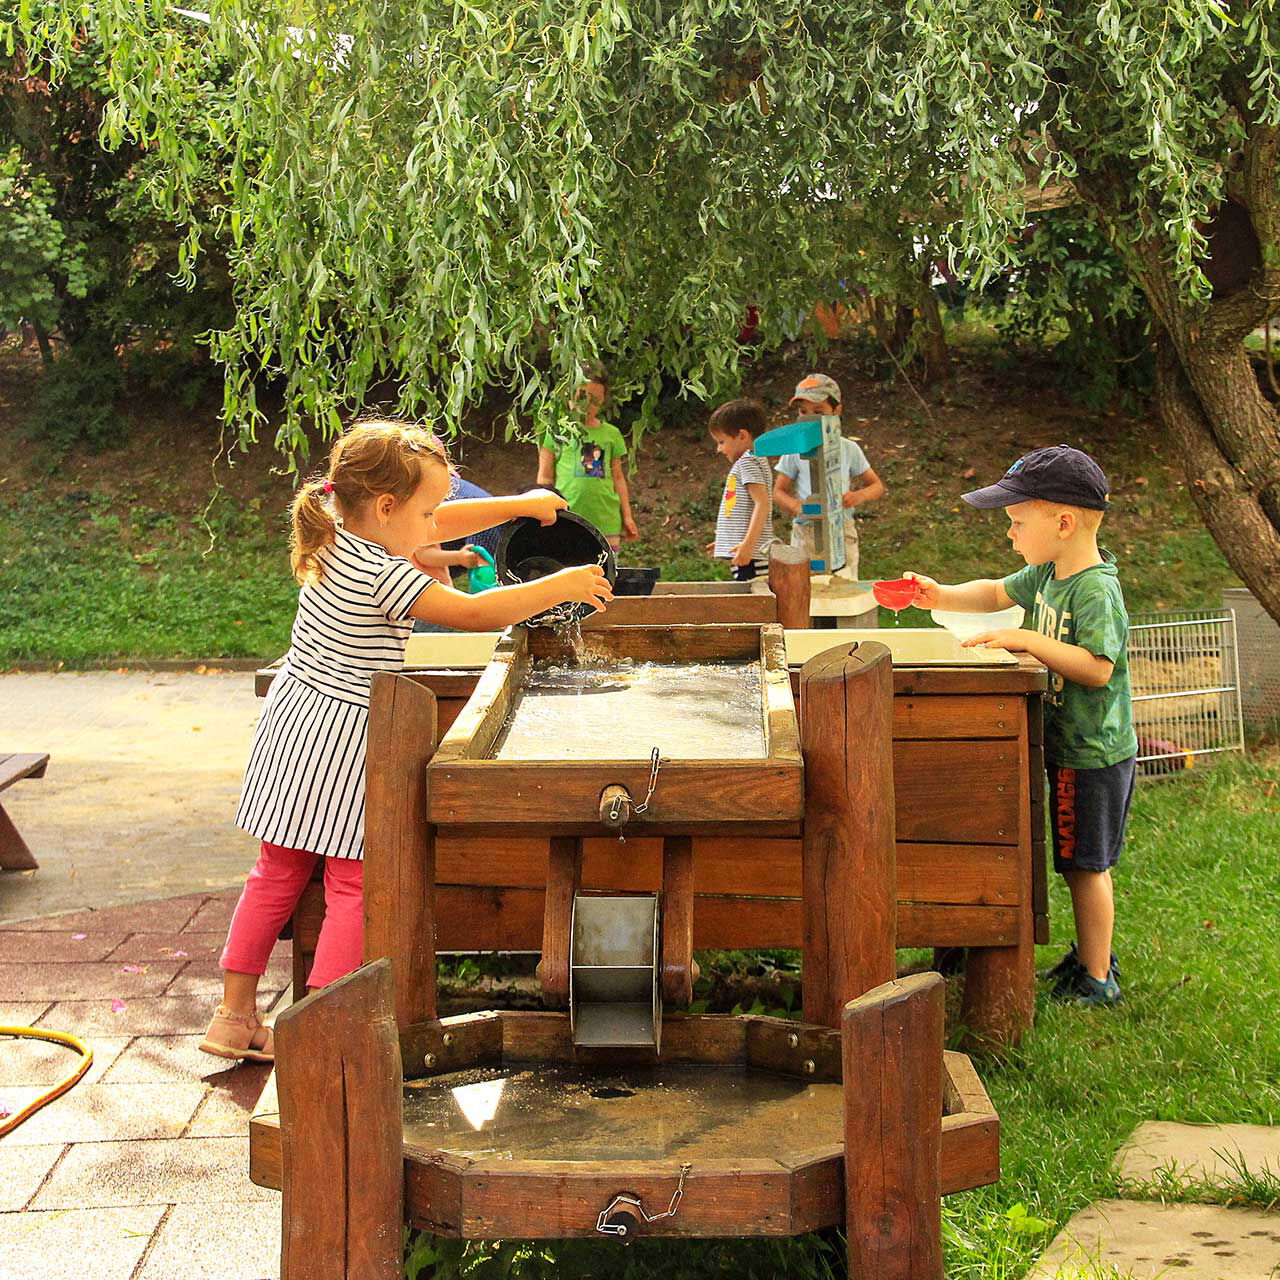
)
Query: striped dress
[{"x": 304, "y": 784}]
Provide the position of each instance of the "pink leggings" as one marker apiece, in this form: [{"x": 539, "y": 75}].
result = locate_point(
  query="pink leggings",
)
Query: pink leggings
[{"x": 270, "y": 894}]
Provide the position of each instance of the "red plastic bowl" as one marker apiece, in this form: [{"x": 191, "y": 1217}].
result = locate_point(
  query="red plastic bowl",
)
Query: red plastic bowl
[{"x": 900, "y": 593}]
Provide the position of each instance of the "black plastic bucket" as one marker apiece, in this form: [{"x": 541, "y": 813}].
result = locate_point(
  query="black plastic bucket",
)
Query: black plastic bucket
[
  {"x": 635, "y": 582},
  {"x": 529, "y": 550}
]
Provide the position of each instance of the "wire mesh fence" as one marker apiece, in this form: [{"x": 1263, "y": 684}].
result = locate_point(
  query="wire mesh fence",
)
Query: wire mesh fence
[{"x": 1185, "y": 676}]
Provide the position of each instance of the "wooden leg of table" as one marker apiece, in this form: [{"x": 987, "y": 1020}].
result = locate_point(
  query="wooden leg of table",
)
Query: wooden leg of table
[
  {"x": 340, "y": 1087},
  {"x": 564, "y": 875},
  {"x": 891, "y": 1046},
  {"x": 999, "y": 1001},
  {"x": 14, "y": 854},
  {"x": 848, "y": 854},
  {"x": 677, "y": 920},
  {"x": 399, "y": 843}
]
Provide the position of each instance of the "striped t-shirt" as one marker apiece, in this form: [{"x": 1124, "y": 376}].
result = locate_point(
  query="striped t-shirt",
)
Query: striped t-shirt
[
  {"x": 736, "y": 507},
  {"x": 304, "y": 784}
]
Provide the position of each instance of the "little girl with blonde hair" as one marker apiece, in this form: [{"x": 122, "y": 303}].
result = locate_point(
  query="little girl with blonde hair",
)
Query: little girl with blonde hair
[{"x": 356, "y": 532}]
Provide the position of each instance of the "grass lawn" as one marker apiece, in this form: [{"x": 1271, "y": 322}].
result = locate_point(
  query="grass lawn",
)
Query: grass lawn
[{"x": 1197, "y": 1038}]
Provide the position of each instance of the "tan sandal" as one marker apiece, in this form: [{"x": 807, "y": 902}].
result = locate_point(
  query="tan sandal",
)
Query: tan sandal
[{"x": 239, "y": 1035}]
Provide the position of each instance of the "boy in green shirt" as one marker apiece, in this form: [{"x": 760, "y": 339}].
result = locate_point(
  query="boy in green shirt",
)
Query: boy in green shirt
[
  {"x": 583, "y": 462},
  {"x": 1079, "y": 629}
]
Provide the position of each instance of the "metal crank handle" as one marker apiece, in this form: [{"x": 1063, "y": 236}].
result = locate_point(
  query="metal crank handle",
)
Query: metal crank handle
[{"x": 624, "y": 1215}]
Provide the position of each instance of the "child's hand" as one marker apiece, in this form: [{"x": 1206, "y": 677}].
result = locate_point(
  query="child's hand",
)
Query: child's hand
[
  {"x": 585, "y": 585},
  {"x": 741, "y": 555},
  {"x": 1015, "y": 640},
  {"x": 930, "y": 591},
  {"x": 849, "y": 500},
  {"x": 469, "y": 557},
  {"x": 542, "y": 505},
  {"x": 629, "y": 531},
  {"x": 711, "y": 548}
]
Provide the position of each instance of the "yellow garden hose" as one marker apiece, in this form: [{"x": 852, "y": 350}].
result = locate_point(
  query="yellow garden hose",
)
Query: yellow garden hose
[{"x": 10, "y": 1123}]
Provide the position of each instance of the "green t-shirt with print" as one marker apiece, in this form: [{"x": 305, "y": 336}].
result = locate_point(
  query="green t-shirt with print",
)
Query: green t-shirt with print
[
  {"x": 584, "y": 471},
  {"x": 1083, "y": 728}
]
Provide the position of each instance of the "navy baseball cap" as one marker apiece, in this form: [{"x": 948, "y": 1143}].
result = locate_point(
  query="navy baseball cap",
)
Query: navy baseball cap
[{"x": 1057, "y": 474}]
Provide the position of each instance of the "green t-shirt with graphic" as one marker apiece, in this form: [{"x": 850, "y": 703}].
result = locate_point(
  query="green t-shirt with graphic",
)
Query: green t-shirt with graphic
[
  {"x": 584, "y": 471},
  {"x": 1083, "y": 728}
]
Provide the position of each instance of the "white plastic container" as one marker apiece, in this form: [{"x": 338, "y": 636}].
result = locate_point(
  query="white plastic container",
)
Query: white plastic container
[{"x": 964, "y": 626}]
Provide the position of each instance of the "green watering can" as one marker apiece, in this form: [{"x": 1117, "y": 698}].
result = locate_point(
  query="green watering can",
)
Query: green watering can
[{"x": 484, "y": 575}]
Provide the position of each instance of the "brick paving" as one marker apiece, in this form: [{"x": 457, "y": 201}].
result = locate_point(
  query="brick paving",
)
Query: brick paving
[{"x": 141, "y": 1171}]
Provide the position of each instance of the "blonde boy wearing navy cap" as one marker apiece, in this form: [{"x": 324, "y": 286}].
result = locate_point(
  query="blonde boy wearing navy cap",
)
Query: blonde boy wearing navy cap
[{"x": 1054, "y": 499}]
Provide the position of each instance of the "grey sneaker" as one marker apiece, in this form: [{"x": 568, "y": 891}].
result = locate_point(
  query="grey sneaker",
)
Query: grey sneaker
[
  {"x": 1065, "y": 974},
  {"x": 1089, "y": 991}
]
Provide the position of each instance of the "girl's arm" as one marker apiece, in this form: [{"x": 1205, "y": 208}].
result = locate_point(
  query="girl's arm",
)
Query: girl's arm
[
  {"x": 465, "y": 516},
  {"x": 629, "y": 530},
  {"x": 431, "y": 557},
  {"x": 501, "y": 606},
  {"x": 546, "y": 466},
  {"x": 983, "y": 595},
  {"x": 745, "y": 551}
]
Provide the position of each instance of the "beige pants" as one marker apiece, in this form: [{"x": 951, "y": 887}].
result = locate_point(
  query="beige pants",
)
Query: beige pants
[{"x": 802, "y": 536}]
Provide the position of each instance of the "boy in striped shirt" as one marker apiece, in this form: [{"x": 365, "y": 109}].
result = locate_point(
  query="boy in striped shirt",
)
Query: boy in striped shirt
[{"x": 744, "y": 522}]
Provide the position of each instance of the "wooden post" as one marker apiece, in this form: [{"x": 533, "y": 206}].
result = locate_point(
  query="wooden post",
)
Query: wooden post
[
  {"x": 891, "y": 1048},
  {"x": 564, "y": 874},
  {"x": 789, "y": 582},
  {"x": 848, "y": 862},
  {"x": 340, "y": 1086},
  {"x": 677, "y": 920},
  {"x": 399, "y": 844}
]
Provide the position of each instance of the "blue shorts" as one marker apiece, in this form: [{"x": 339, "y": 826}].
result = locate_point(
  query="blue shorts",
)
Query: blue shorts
[{"x": 1088, "y": 809}]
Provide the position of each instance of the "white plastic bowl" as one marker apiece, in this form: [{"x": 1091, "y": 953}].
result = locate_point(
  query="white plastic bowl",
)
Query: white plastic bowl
[{"x": 964, "y": 626}]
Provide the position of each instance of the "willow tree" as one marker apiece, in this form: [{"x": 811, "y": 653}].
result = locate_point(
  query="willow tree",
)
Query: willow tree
[{"x": 486, "y": 192}]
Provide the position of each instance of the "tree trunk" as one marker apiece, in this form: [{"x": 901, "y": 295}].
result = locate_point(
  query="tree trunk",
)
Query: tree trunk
[
  {"x": 933, "y": 343},
  {"x": 1229, "y": 440}
]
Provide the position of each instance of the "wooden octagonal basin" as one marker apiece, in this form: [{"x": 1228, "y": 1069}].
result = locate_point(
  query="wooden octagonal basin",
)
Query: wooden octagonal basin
[{"x": 508, "y": 1133}]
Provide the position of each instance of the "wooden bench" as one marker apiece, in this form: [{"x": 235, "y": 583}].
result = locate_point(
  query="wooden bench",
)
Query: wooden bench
[{"x": 14, "y": 854}]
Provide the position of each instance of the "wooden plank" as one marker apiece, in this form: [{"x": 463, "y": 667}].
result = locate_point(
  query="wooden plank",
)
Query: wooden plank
[
  {"x": 847, "y": 854},
  {"x": 676, "y": 610},
  {"x": 399, "y": 861},
  {"x": 658, "y": 643},
  {"x": 781, "y": 724},
  {"x": 450, "y": 1044},
  {"x": 564, "y": 797},
  {"x": 433, "y": 1191},
  {"x": 1039, "y": 840},
  {"x": 475, "y": 918},
  {"x": 473, "y": 732},
  {"x": 817, "y": 1190},
  {"x": 677, "y": 921},
  {"x": 956, "y": 716},
  {"x": 999, "y": 999},
  {"x": 513, "y": 1199},
  {"x": 893, "y": 1130},
  {"x": 958, "y": 792},
  {"x": 342, "y": 1163},
  {"x": 970, "y": 1152},
  {"x": 793, "y": 1048},
  {"x": 706, "y": 1038}
]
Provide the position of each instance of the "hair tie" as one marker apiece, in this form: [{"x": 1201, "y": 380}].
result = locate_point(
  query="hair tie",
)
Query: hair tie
[{"x": 328, "y": 486}]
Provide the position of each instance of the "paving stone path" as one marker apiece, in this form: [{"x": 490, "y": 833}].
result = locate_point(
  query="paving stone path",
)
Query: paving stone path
[
  {"x": 1145, "y": 1239},
  {"x": 140, "y": 1172}
]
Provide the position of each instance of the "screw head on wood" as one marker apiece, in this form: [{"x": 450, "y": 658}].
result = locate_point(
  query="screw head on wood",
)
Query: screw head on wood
[
  {"x": 793, "y": 1040},
  {"x": 429, "y": 1060},
  {"x": 447, "y": 1037},
  {"x": 809, "y": 1066}
]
